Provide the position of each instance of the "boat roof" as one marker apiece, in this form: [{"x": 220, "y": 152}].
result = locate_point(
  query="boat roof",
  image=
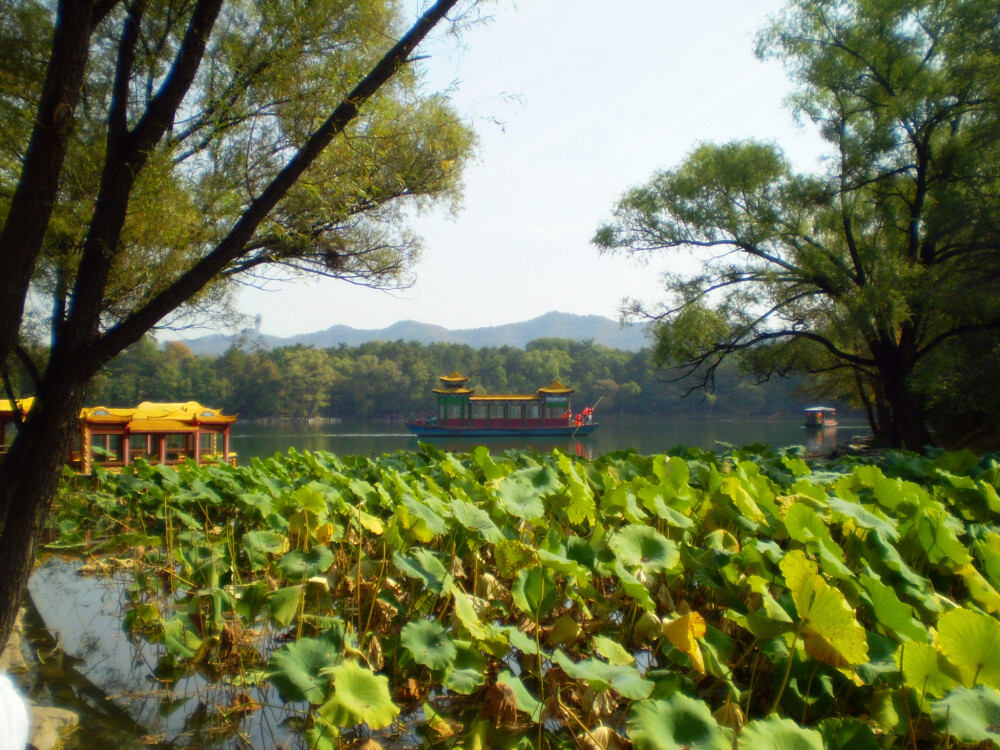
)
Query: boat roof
[
  {"x": 555, "y": 387},
  {"x": 23, "y": 405},
  {"x": 820, "y": 408},
  {"x": 453, "y": 377},
  {"x": 169, "y": 415}
]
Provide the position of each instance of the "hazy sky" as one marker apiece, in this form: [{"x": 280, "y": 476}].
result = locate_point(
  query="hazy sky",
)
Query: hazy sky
[{"x": 574, "y": 102}]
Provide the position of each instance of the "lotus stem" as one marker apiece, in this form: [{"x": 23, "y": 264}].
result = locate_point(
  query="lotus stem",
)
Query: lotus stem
[{"x": 788, "y": 672}]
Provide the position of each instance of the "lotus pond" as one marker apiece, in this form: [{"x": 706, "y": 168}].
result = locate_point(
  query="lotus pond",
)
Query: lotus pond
[{"x": 750, "y": 599}]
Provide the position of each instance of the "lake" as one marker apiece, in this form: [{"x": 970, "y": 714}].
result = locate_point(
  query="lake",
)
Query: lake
[{"x": 647, "y": 435}]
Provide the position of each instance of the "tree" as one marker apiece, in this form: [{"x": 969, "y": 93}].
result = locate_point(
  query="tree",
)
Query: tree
[
  {"x": 858, "y": 273},
  {"x": 173, "y": 145}
]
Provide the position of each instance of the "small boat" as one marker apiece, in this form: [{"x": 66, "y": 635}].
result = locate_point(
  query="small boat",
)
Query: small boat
[
  {"x": 462, "y": 413},
  {"x": 821, "y": 416}
]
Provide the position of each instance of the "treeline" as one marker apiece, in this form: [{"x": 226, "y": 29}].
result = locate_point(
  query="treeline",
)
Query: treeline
[{"x": 381, "y": 379}]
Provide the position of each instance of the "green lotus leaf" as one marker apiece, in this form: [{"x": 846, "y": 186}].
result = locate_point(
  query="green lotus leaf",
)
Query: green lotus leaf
[
  {"x": 676, "y": 723},
  {"x": 466, "y": 614},
  {"x": 311, "y": 497},
  {"x": 423, "y": 566},
  {"x": 891, "y": 612},
  {"x": 562, "y": 564},
  {"x": 581, "y": 506},
  {"x": 971, "y": 642},
  {"x": 624, "y": 680},
  {"x": 429, "y": 643},
  {"x": 477, "y": 520},
  {"x": 296, "y": 669},
  {"x": 634, "y": 587},
  {"x": 864, "y": 518},
  {"x": 520, "y": 498},
  {"x": 283, "y": 604},
  {"x": 613, "y": 651},
  {"x": 938, "y": 532},
  {"x": 969, "y": 715},
  {"x": 421, "y": 520},
  {"x": 925, "y": 669},
  {"x": 526, "y": 702},
  {"x": 468, "y": 670},
  {"x": 645, "y": 547},
  {"x": 832, "y": 634},
  {"x": 298, "y": 565},
  {"x": 776, "y": 733},
  {"x": 259, "y": 544},
  {"x": 534, "y": 591},
  {"x": 847, "y": 734},
  {"x": 359, "y": 697}
]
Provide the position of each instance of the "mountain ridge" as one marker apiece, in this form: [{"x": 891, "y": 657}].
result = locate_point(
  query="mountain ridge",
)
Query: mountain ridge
[{"x": 596, "y": 328}]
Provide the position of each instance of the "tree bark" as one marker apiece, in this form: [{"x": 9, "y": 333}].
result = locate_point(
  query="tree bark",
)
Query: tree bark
[{"x": 29, "y": 478}]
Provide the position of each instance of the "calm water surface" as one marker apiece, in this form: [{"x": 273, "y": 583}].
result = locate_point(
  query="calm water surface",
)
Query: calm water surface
[{"x": 645, "y": 434}]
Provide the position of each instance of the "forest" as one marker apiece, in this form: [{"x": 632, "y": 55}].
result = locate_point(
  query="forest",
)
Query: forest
[{"x": 383, "y": 379}]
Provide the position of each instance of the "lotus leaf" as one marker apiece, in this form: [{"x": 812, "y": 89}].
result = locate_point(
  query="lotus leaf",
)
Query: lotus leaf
[
  {"x": 971, "y": 642},
  {"x": 891, "y": 612},
  {"x": 980, "y": 589},
  {"x": 283, "y": 604},
  {"x": 468, "y": 670},
  {"x": 359, "y": 697},
  {"x": 526, "y": 702},
  {"x": 296, "y": 669},
  {"x": 298, "y": 565},
  {"x": 924, "y": 669},
  {"x": 476, "y": 519},
  {"x": 644, "y": 547},
  {"x": 612, "y": 651},
  {"x": 969, "y": 714},
  {"x": 684, "y": 633},
  {"x": 677, "y": 723},
  {"x": 466, "y": 613},
  {"x": 832, "y": 634},
  {"x": 775, "y": 733},
  {"x": 423, "y": 566},
  {"x": 625, "y": 680},
  {"x": 429, "y": 644},
  {"x": 534, "y": 591}
]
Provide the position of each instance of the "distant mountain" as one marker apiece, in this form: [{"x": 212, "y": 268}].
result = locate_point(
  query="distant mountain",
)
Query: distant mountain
[{"x": 594, "y": 328}]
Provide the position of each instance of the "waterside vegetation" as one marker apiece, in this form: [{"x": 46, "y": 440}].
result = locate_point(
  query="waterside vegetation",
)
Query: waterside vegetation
[{"x": 749, "y": 599}]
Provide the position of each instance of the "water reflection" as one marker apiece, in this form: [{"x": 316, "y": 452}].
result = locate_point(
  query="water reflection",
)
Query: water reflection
[
  {"x": 821, "y": 440},
  {"x": 86, "y": 613}
]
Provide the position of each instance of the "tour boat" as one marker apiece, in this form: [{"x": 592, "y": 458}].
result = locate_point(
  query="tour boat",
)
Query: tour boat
[
  {"x": 157, "y": 433},
  {"x": 821, "y": 416},
  {"x": 463, "y": 413}
]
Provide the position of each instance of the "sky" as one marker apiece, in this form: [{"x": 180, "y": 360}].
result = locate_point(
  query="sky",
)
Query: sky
[{"x": 574, "y": 102}]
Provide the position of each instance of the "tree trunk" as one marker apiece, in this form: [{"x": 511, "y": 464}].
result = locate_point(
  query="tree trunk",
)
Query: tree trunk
[
  {"x": 29, "y": 479},
  {"x": 905, "y": 424}
]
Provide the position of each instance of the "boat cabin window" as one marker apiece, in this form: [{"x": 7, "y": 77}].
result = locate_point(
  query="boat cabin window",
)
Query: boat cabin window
[
  {"x": 479, "y": 411},
  {"x": 555, "y": 412},
  {"x": 454, "y": 411},
  {"x": 533, "y": 411},
  {"x": 515, "y": 411},
  {"x": 496, "y": 411}
]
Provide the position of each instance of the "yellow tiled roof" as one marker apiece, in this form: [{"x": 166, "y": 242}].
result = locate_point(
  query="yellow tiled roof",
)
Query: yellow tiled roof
[
  {"x": 454, "y": 377},
  {"x": 556, "y": 387},
  {"x": 506, "y": 397}
]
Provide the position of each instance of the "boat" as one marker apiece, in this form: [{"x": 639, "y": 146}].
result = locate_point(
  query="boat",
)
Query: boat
[
  {"x": 463, "y": 413},
  {"x": 158, "y": 433},
  {"x": 821, "y": 416}
]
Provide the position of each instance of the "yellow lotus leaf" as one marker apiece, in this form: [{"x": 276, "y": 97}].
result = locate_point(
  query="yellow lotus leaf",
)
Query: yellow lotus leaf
[
  {"x": 831, "y": 632},
  {"x": 980, "y": 589},
  {"x": 683, "y": 633}
]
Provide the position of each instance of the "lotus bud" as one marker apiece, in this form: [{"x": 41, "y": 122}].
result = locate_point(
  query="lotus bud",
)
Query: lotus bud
[{"x": 730, "y": 715}]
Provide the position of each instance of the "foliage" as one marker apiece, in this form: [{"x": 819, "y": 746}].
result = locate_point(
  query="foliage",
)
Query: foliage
[
  {"x": 685, "y": 599},
  {"x": 395, "y": 378},
  {"x": 862, "y": 272}
]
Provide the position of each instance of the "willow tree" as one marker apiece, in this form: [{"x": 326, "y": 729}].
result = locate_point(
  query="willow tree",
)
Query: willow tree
[
  {"x": 153, "y": 151},
  {"x": 859, "y": 272}
]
